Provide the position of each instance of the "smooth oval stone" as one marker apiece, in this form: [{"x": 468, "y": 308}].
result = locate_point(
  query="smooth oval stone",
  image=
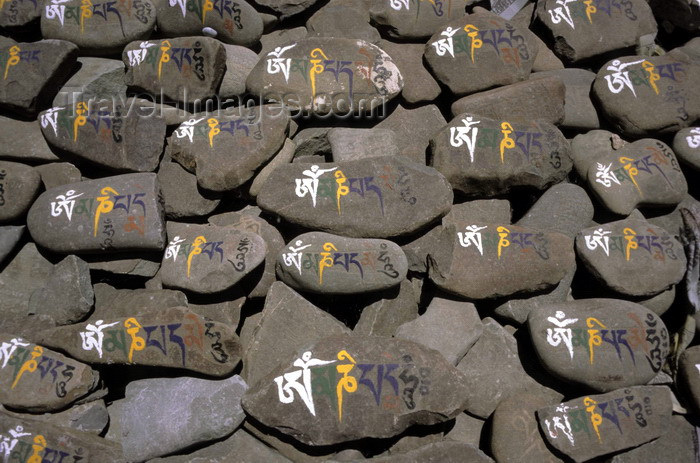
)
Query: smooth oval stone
[
  {"x": 226, "y": 151},
  {"x": 595, "y": 425},
  {"x": 483, "y": 156},
  {"x": 686, "y": 145},
  {"x": 411, "y": 19},
  {"x": 209, "y": 259},
  {"x": 331, "y": 264},
  {"x": 348, "y": 387},
  {"x": 110, "y": 214},
  {"x": 118, "y": 139},
  {"x": 582, "y": 30},
  {"x": 322, "y": 75},
  {"x": 632, "y": 256},
  {"x": 95, "y": 31},
  {"x": 644, "y": 172},
  {"x": 604, "y": 344},
  {"x": 233, "y": 22},
  {"x": 478, "y": 52},
  {"x": 18, "y": 13},
  {"x": 372, "y": 198},
  {"x": 173, "y": 338},
  {"x": 19, "y": 185},
  {"x": 184, "y": 69},
  {"x": 488, "y": 260},
  {"x": 25, "y": 384},
  {"x": 640, "y": 95}
]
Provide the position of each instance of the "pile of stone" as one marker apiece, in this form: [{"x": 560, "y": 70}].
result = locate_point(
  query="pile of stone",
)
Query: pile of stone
[{"x": 348, "y": 230}]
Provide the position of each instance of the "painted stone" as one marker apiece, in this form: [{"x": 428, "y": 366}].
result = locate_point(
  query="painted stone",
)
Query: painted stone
[
  {"x": 642, "y": 173},
  {"x": 632, "y": 256},
  {"x": 236, "y": 22},
  {"x": 209, "y": 259},
  {"x": 173, "y": 338},
  {"x": 101, "y": 28},
  {"x": 371, "y": 198},
  {"x": 19, "y": 185},
  {"x": 487, "y": 260},
  {"x": 641, "y": 95},
  {"x": 413, "y": 19},
  {"x": 486, "y": 48},
  {"x": 25, "y": 383},
  {"x": 184, "y": 68},
  {"x": 482, "y": 156},
  {"x": 583, "y": 29},
  {"x": 686, "y": 145},
  {"x": 322, "y": 75},
  {"x": 119, "y": 139},
  {"x": 604, "y": 344},
  {"x": 689, "y": 376},
  {"x": 29, "y": 71},
  {"x": 18, "y": 13},
  {"x": 110, "y": 214},
  {"x": 326, "y": 393},
  {"x": 595, "y": 425},
  {"x": 226, "y": 151},
  {"x": 330, "y": 264}
]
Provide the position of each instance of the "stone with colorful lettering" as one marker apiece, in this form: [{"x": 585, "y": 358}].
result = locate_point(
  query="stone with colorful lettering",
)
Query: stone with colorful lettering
[
  {"x": 172, "y": 338},
  {"x": 586, "y": 28},
  {"x": 19, "y": 185},
  {"x": 632, "y": 256},
  {"x": 642, "y": 173},
  {"x": 29, "y": 73},
  {"x": 478, "y": 52},
  {"x": 640, "y": 95},
  {"x": 226, "y": 151},
  {"x": 209, "y": 259},
  {"x": 121, "y": 23},
  {"x": 118, "y": 139},
  {"x": 348, "y": 387},
  {"x": 19, "y": 13},
  {"x": 330, "y": 264},
  {"x": 37, "y": 379},
  {"x": 184, "y": 68},
  {"x": 414, "y": 19},
  {"x": 689, "y": 376},
  {"x": 371, "y": 198},
  {"x": 110, "y": 214},
  {"x": 595, "y": 425},
  {"x": 486, "y": 260},
  {"x": 231, "y": 22},
  {"x": 323, "y": 75},
  {"x": 482, "y": 156},
  {"x": 603, "y": 344},
  {"x": 686, "y": 146}
]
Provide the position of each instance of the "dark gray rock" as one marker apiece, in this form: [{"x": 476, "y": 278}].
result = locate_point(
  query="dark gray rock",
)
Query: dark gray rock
[
  {"x": 405, "y": 19},
  {"x": 283, "y": 156},
  {"x": 413, "y": 128},
  {"x": 9, "y": 237},
  {"x": 99, "y": 78},
  {"x": 564, "y": 208},
  {"x": 681, "y": 13},
  {"x": 342, "y": 20},
  {"x": 147, "y": 266},
  {"x": 181, "y": 196},
  {"x": 689, "y": 377},
  {"x": 659, "y": 303},
  {"x": 123, "y": 303},
  {"x": 686, "y": 145},
  {"x": 91, "y": 417},
  {"x": 27, "y": 143},
  {"x": 288, "y": 8},
  {"x": 679, "y": 445},
  {"x": 419, "y": 86},
  {"x": 479, "y": 210},
  {"x": 383, "y": 317},
  {"x": 466, "y": 429},
  {"x": 579, "y": 111},
  {"x": 438, "y": 451},
  {"x": 19, "y": 185},
  {"x": 355, "y": 144},
  {"x": 239, "y": 62},
  {"x": 312, "y": 142},
  {"x": 58, "y": 173}
]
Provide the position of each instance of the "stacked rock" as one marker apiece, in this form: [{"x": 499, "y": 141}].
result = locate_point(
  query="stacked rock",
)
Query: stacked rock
[{"x": 349, "y": 230}]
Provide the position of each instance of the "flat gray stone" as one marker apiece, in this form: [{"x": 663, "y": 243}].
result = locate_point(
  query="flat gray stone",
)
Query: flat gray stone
[
  {"x": 354, "y": 144},
  {"x": 19, "y": 13},
  {"x": 342, "y": 20},
  {"x": 438, "y": 451},
  {"x": 689, "y": 376},
  {"x": 679, "y": 445},
  {"x": 95, "y": 78},
  {"x": 419, "y": 86},
  {"x": 579, "y": 111},
  {"x": 19, "y": 185},
  {"x": 181, "y": 196},
  {"x": 122, "y": 303},
  {"x": 383, "y": 317},
  {"x": 414, "y": 128},
  {"x": 91, "y": 417},
  {"x": 408, "y": 20},
  {"x": 239, "y": 62},
  {"x": 283, "y": 156},
  {"x": 27, "y": 142},
  {"x": 58, "y": 173},
  {"x": 467, "y": 429},
  {"x": 564, "y": 208},
  {"x": 9, "y": 238}
]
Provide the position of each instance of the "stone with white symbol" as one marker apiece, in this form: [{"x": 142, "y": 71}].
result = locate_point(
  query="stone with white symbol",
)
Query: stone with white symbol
[
  {"x": 686, "y": 146},
  {"x": 209, "y": 259},
  {"x": 482, "y": 156},
  {"x": 19, "y": 185},
  {"x": 632, "y": 256},
  {"x": 602, "y": 344},
  {"x": 412, "y": 19},
  {"x": 110, "y": 214},
  {"x": 348, "y": 387},
  {"x": 330, "y": 264}
]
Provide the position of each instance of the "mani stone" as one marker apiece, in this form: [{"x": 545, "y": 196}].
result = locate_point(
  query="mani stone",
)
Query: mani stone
[
  {"x": 481, "y": 156},
  {"x": 205, "y": 409},
  {"x": 371, "y": 198},
  {"x": 18, "y": 13},
  {"x": 315, "y": 262},
  {"x": 686, "y": 145},
  {"x": 632, "y": 256},
  {"x": 590, "y": 426},
  {"x": 182, "y": 69},
  {"x": 119, "y": 139},
  {"x": 28, "y": 70},
  {"x": 603, "y": 344},
  {"x": 405, "y": 19},
  {"x": 19, "y": 185},
  {"x": 325, "y": 74},
  {"x": 111, "y": 214},
  {"x": 231, "y": 22},
  {"x": 26, "y": 384},
  {"x": 641, "y": 95},
  {"x": 355, "y": 387},
  {"x": 582, "y": 30},
  {"x": 486, "y": 48},
  {"x": 689, "y": 376},
  {"x": 225, "y": 152},
  {"x": 642, "y": 173},
  {"x": 489, "y": 260}
]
